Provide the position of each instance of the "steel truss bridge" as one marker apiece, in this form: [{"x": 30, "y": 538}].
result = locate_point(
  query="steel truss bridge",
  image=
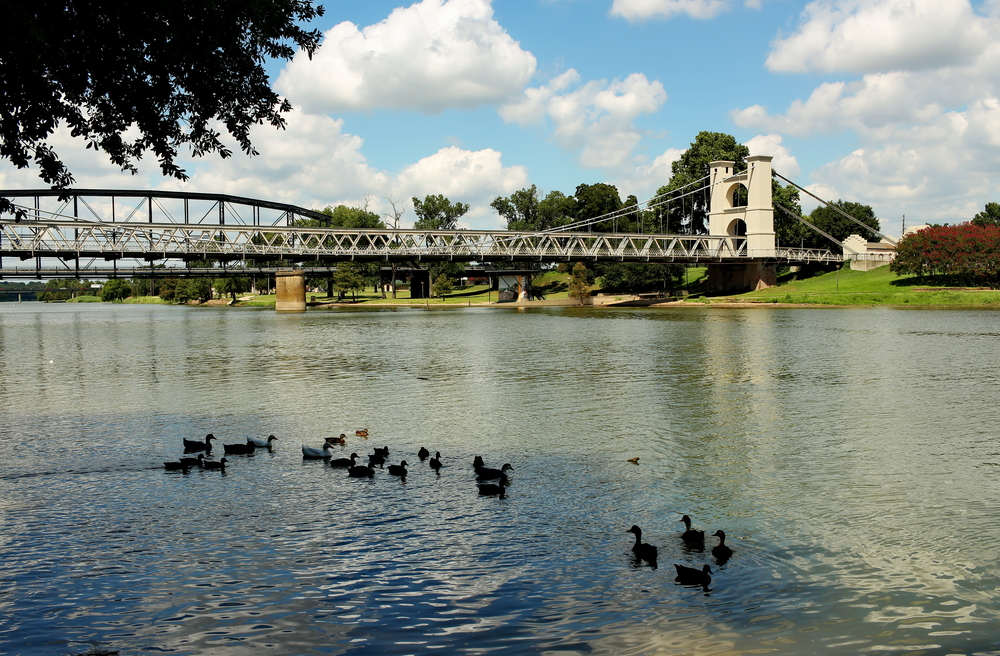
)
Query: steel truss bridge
[{"x": 119, "y": 233}]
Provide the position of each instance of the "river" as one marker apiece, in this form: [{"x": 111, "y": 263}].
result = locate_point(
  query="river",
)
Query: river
[{"x": 850, "y": 455}]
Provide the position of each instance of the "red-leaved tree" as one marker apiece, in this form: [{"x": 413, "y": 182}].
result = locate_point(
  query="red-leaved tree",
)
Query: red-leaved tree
[{"x": 964, "y": 254}]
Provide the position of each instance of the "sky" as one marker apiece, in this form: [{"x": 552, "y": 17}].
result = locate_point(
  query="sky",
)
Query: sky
[{"x": 890, "y": 103}]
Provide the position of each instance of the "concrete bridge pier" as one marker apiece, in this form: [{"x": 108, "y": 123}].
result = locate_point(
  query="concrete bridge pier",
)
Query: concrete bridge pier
[
  {"x": 291, "y": 291},
  {"x": 734, "y": 278}
]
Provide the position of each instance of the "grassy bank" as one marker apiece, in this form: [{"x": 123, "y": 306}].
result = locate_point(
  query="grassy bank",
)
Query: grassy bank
[{"x": 876, "y": 287}]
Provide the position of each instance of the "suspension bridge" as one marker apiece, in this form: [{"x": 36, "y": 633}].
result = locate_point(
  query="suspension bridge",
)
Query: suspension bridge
[{"x": 125, "y": 233}]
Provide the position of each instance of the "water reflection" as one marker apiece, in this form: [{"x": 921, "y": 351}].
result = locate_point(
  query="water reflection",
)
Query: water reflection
[{"x": 848, "y": 455}]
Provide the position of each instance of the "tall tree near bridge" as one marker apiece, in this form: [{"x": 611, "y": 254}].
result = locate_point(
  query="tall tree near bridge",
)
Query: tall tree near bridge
[
  {"x": 435, "y": 212},
  {"x": 838, "y": 226},
  {"x": 690, "y": 214},
  {"x": 136, "y": 77}
]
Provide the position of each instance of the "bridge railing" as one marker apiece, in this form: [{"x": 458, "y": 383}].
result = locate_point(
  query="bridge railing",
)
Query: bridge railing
[{"x": 74, "y": 239}]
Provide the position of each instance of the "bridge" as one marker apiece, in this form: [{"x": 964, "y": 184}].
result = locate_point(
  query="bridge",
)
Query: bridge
[{"x": 125, "y": 233}]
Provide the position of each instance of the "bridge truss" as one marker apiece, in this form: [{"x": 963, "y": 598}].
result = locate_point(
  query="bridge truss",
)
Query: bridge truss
[{"x": 257, "y": 236}]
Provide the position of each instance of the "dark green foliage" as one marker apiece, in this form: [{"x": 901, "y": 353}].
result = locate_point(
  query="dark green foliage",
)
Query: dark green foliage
[
  {"x": 520, "y": 209},
  {"x": 193, "y": 289},
  {"x": 556, "y": 209},
  {"x": 597, "y": 200},
  {"x": 579, "y": 283},
  {"x": 231, "y": 285},
  {"x": 169, "y": 71},
  {"x": 341, "y": 216},
  {"x": 116, "y": 289},
  {"x": 62, "y": 290},
  {"x": 435, "y": 212},
  {"x": 707, "y": 147},
  {"x": 837, "y": 225},
  {"x": 443, "y": 285},
  {"x": 990, "y": 216},
  {"x": 634, "y": 277},
  {"x": 348, "y": 279}
]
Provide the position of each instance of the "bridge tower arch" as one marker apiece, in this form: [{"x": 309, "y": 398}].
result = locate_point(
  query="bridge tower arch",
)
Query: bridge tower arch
[{"x": 755, "y": 220}]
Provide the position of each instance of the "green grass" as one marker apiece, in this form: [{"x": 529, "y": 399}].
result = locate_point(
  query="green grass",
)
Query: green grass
[
  {"x": 86, "y": 299},
  {"x": 876, "y": 287}
]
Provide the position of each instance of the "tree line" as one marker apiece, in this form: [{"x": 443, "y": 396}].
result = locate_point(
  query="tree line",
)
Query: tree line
[{"x": 966, "y": 254}]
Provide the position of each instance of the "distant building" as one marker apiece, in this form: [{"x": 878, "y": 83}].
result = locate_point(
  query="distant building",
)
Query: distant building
[{"x": 867, "y": 255}]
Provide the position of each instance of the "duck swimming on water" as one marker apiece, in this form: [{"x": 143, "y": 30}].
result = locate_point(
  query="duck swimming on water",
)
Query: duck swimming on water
[
  {"x": 435, "y": 462},
  {"x": 693, "y": 538},
  {"x": 489, "y": 489},
  {"x": 360, "y": 471},
  {"x": 247, "y": 449},
  {"x": 216, "y": 465},
  {"x": 488, "y": 474},
  {"x": 197, "y": 445},
  {"x": 398, "y": 470},
  {"x": 344, "y": 462},
  {"x": 256, "y": 441},
  {"x": 642, "y": 550},
  {"x": 312, "y": 452},
  {"x": 692, "y": 576},
  {"x": 721, "y": 552},
  {"x": 423, "y": 453}
]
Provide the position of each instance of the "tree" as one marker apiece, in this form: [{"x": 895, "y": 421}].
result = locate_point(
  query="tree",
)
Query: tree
[
  {"x": 346, "y": 279},
  {"x": 597, "y": 200},
  {"x": 193, "y": 289},
  {"x": 231, "y": 285},
  {"x": 556, "y": 209},
  {"x": 443, "y": 285},
  {"x": 520, "y": 209},
  {"x": 397, "y": 209},
  {"x": 989, "y": 216},
  {"x": 638, "y": 276},
  {"x": 690, "y": 213},
  {"x": 579, "y": 286},
  {"x": 839, "y": 226},
  {"x": 133, "y": 77},
  {"x": 115, "y": 290},
  {"x": 437, "y": 213},
  {"x": 966, "y": 254},
  {"x": 789, "y": 231}
]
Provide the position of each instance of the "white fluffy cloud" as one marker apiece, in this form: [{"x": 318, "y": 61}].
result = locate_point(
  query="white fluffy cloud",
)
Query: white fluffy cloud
[
  {"x": 595, "y": 118},
  {"x": 474, "y": 177},
  {"x": 782, "y": 160},
  {"x": 864, "y": 36},
  {"x": 430, "y": 56},
  {"x": 639, "y": 10}
]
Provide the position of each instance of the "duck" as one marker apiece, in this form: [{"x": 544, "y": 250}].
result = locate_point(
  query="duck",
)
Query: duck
[
  {"x": 361, "y": 433},
  {"x": 478, "y": 462},
  {"x": 488, "y": 474},
  {"x": 239, "y": 449},
  {"x": 344, "y": 462},
  {"x": 195, "y": 445},
  {"x": 177, "y": 465},
  {"x": 217, "y": 465},
  {"x": 423, "y": 454},
  {"x": 642, "y": 550},
  {"x": 692, "y": 576},
  {"x": 376, "y": 459},
  {"x": 337, "y": 440},
  {"x": 490, "y": 489},
  {"x": 384, "y": 451},
  {"x": 360, "y": 471},
  {"x": 689, "y": 536},
  {"x": 721, "y": 552},
  {"x": 312, "y": 452},
  {"x": 193, "y": 462},
  {"x": 257, "y": 442},
  {"x": 435, "y": 462},
  {"x": 398, "y": 470},
  {"x": 634, "y": 461}
]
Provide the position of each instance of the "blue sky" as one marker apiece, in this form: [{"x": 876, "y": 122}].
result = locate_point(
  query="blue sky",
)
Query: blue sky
[{"x": 892, "y": 103}]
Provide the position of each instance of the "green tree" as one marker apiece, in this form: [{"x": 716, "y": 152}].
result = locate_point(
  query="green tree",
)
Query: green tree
[
  {"x": 689, "y": 214},
  {"x": 520, "y": 209},
  {"x": 346, "y": 279},
  {"x": 633, "y": 277},
  {"x": 193, "y": 289},
  {"x": 167, "y": 288},
  {"x": 134, "y": 77},
  {"x": 437, "y": 213},
  {"x": 443, "y": 285},
  {"x": 579, "y": 287},
  {"x": 789, "y": 231},
  {"x": 231, "y": 285},
  {"x": 597, "y": 200},
  {"x": 116, "y": 289},
  {"x": 840, "y": 227},
  {"x": 556, "y": 209},
  {"x": 990, "y": 216}
]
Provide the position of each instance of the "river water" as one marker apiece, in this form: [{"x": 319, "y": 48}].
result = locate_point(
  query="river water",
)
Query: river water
[{"x": 850, "y": 455}]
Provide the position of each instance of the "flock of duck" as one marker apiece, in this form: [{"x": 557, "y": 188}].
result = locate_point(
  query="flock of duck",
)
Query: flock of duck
[
  {"x": 484, "y": 475},
  {"x": 490, "y": 482},
  {"x": 694, "y": 541}
]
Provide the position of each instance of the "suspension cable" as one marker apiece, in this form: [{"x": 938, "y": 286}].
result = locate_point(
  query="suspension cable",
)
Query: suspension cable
[{"x": 837, "y": 209}]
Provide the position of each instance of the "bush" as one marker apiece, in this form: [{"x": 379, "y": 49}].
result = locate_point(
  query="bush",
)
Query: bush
[{"x": 965, "y": 254}]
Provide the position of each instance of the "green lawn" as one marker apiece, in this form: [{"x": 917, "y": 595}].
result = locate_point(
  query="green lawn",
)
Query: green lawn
[{"x": 876, "y": 287}]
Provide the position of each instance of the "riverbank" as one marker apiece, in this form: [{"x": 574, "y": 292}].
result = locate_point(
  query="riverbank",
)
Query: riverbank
[{"x": 879, "y": 287}]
